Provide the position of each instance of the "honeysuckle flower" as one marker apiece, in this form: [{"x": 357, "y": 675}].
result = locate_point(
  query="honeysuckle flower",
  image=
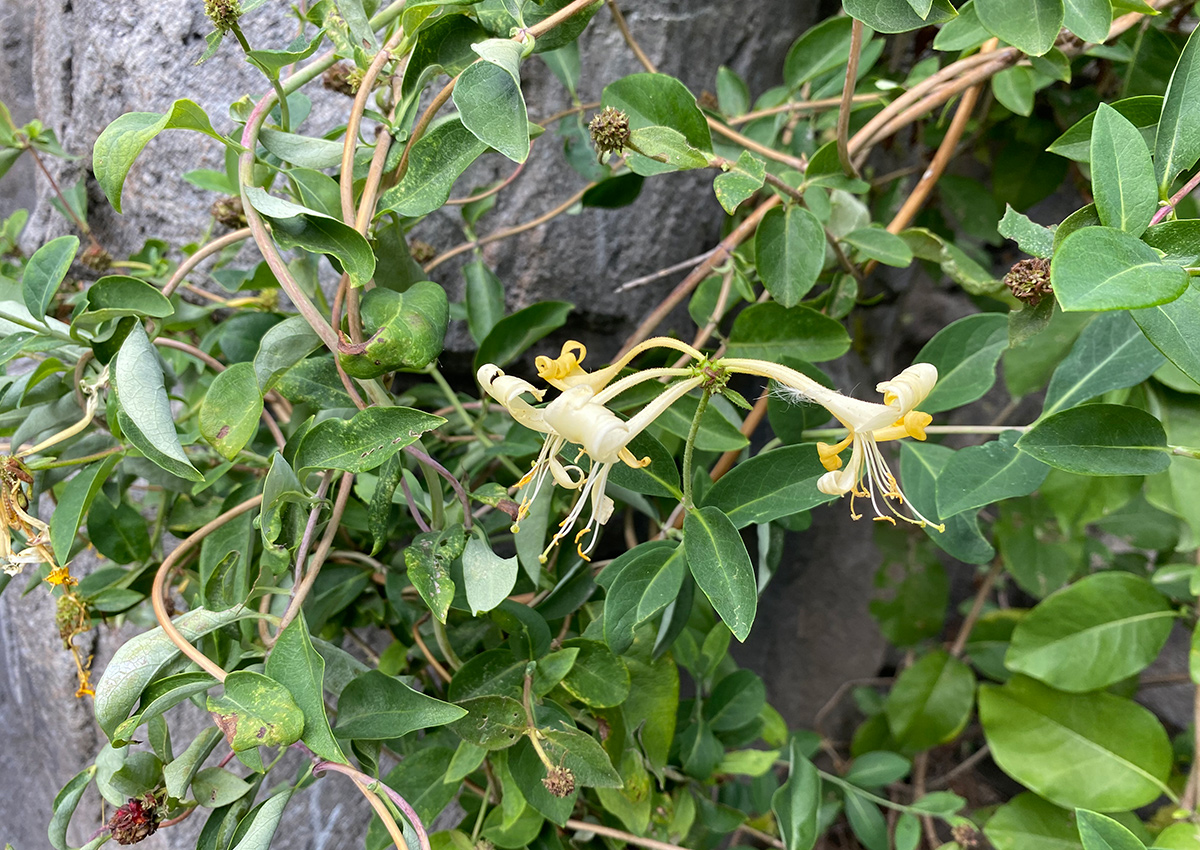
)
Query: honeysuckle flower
[
  {"x": 15, "y": 517},
  {"x": 578, "y": 415},
  {"x": 868, "y": 424}
]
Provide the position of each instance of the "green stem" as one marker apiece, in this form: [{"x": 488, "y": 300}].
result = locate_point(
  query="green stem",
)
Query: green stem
[
  {"x": 33, "y": 326},
  {"x": 882, "y": 801},
  {"x": 284, "y": 119},
  {"x": 690, "y": 446},
  {"x": 1185, "y": 451},
  {"x": 75, "y": 461},
  {"x": 443, "y": 642}
]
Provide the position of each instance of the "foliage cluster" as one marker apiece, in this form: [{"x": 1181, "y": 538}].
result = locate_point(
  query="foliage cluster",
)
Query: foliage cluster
[{"x": 340, "y": 498}]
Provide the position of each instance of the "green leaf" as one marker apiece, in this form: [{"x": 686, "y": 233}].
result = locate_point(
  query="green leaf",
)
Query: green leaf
[
  {"x": 598, "y": 677},
  {"x": 404, "y": 330},
  {"x": 1032, "y": 238},
  {"x": 740, "y": 182},
  {"x": 65, "y": 803},
  {"x": 257, "y": 828},
  {"x": 1089, "y": 19},
  {"x": 1173, "y": 330},
  {"x": 817, "y": 51},
  {"x": 296, "y": 665},
  {"x": 930, "y": 702},
  {"x": 769, "y": 486},
  {"x": 160, "y": 696},
  {"x": 659, "y": 146},
  {"x": 920, "y": 465},
  {"x": 276, "y": 60},
  {"x": 897, "y": 15},
  {"x": 44, "y": 272},
  {"x": 1126, "y": 195},
  {"x": 363, "y": 442},
  {"x": 512, "y": 335},
  {"x": 879, "y": 244},
  {"x": 281, "y": 348},
  {"x": 1027, "y": 822},
  {"x": 1110, "y": 354},
  {"x": 579, "y": 752},
  {"x": 492, "y": 722},
  {"x": 1029, "y": 25},
  {"x": 231, "y": 408},
  {"x": 488, "y": 579},
  {"x": 73, "y": 502},
  {"x": 1095, "y": 750},
  {"x": 645, "y": 586},
  {"x": 1099, "y": 439},
  {"x": 878, "y": 768},
  {"x": 427, "y": 560},
  {"x": 121, "y": 141},
  {"x": 1099, "y": 268},
  {"x": 1093, "y": 633},
  {"x": 866, "y": 821},
  {"x": 980, "y": 475},
  {"x": 1177, "y": 145},
  {"x": 255, "y": 711},
  {"x": 434, "y": 163},
  {"x": 118, "y": 295},
  {"x": 955, "y": 262},
  {"x": 721, "y": 566},
  {"x": 658, "y": 478},
  {"x": 304, "y": 151},
  {"x": 797, "y": 801},
  {"x": 145, "y": 413},
  {"x": 771, "y": 331},
  {"x": 489, "y": 100},
  {"x": 1178, "y": 836},
  {"x": 1014, "y": 89},
  {"x": 789, "y": 250},
  {"x": 484, "y": 295},
  {"x": 214, "y": 787},
  {"x": 1101, "y": 833},
  {"x": 736, "y": 700},
  {"x": 656, "y": 100},
  {"x": 1141, "y": 111},
  {"x": 141, "y": 658},
  {"x": 294, "y": 226},
  {"x": 375, "y": 707},
  {"x": 965, "y": 353}
]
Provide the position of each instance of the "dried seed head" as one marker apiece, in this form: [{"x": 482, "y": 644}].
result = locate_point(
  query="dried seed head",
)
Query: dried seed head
[
  {"x": 559, "y": 781},
  {"x": 95, "y": 258},
  {"x": 134, "y": 821},
  {"x": 1029, "y": 280},
  {"x": 610, "y": 131},
  {"x": 966, "y": 835},
  {"x": 342, "y": 78},
  {"x": 229, "y": 212},
  {"x": 422, "y": 252},
  {"x": 224, "y": 14}
]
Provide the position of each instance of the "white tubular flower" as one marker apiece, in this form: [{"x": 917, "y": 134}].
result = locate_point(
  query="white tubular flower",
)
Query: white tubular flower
[
  {"x": 868, "y": 424},
  {"x": 578, "y": 416}
]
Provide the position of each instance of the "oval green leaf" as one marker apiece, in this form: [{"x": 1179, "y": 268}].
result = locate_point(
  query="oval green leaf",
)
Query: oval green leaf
[
  {"x": 1100, "y": 268},
  {"x": 719, "y": 562},
  {"x": 1099, "y": 439}
]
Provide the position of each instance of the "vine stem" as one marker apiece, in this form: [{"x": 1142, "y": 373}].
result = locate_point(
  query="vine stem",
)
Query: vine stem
[
  {"x": 690, "y": 446},
  {"x": 454, "y": 483},
  {"x": 714, "y": 258},
  {"x": 1169, "y": 207},
  {"x": 825, "y": 433},
  {"x": 158, "y": 593},
  {"x": 509, "y": 231},
  {"x": 627, "y": 837},
  {"x": 202, "y": 253},
  {"x": 300, "y": 592},
  {"x": 802, "y": 106},
  {"x": 67, "y": 208},
  {"x": 369, "y": 785},
  {"x": 843, "y": 121}
]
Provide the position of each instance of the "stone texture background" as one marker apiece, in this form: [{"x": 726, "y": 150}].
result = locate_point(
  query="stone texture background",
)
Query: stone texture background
[{"x": 78, "y": 64}]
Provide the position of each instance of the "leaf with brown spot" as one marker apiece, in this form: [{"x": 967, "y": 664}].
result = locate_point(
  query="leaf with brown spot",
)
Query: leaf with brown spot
[{"x": 256, "y": 711}]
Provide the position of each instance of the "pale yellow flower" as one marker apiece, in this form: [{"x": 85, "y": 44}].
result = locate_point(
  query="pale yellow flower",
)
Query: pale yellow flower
[{"x": 868, "y": 424}]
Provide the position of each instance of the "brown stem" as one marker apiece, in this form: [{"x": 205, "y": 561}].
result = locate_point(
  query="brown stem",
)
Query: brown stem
[
  {"x": 421, "y": 645},
  {"x": 203, "y": 253},
  {"x": 985, "y": 589},
  {"x": 83, "y": 228},
  {"x": 723, "y": 250},
  {"x": 802, "y": 106},
  {"x": 158, "y": 593},
  {"x": 843, "y": 122},
  {"x": 509, "y": 231},
  {"x": 627, "y": 837},
  {"x": 487, "y": 193},
  {"x": 300, "y": 593}
]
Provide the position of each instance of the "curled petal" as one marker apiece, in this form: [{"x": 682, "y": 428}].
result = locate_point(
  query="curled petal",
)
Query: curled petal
[
  {"x": 505, "y": 388},
  {"x": 909, "y": 388},
  {"x": 563, "y": 371}
]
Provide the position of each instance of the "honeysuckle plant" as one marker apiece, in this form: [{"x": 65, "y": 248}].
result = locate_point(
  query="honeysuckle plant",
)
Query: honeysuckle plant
[{"x": 355, "y": 524}]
